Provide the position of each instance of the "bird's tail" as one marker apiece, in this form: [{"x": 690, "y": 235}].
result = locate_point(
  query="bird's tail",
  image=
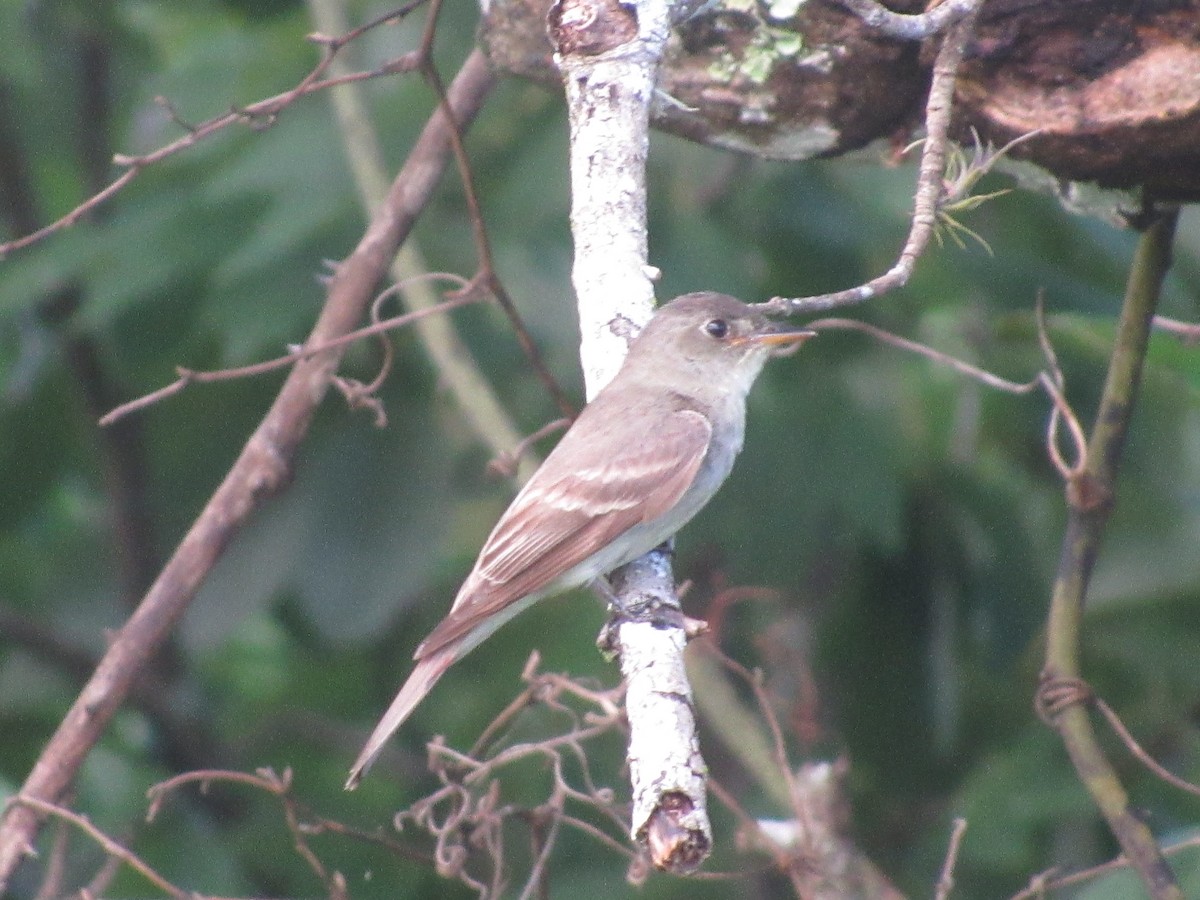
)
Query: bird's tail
[{"x": 424, "y": 676}]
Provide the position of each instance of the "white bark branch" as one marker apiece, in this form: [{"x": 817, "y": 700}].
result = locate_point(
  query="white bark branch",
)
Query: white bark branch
[
  {"x": 608, "y": 99},
  {"x": 608, "y": 54}
]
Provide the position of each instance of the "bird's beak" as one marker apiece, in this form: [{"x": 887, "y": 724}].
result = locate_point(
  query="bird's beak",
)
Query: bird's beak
[
  {"x": 783, "y": 336},
  {"x": 782, "y": 340}
]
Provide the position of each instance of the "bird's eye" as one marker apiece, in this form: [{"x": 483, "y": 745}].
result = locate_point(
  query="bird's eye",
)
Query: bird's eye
[{"x": 717, "y": 328}]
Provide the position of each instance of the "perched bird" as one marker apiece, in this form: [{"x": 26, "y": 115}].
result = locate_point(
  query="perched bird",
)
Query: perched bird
[{"x": 641, "y": 459}]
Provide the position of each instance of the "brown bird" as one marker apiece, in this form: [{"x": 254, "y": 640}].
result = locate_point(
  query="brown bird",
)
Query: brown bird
[{"x": 641, "y": 459}]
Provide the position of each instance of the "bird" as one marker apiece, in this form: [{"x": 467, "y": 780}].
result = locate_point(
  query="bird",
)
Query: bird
[{"x": 640, "y": 460}]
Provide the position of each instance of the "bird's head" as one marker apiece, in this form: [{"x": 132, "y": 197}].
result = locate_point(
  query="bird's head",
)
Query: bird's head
[{"x": 713, "y": 337}]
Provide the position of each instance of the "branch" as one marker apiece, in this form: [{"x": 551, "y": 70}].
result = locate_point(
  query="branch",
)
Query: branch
[
  {"x": 1186, "y": 331},
  {"x": 107, "y": 844},
  {"x": 306, "y": 352},
  {"x": 260, "y": 469},
  {"x": 465, "y": 816},
  {"x": 188, "y": 739},
  {"x": 608, "y": 54},
  {"x": 279, "y": 785},
  {"x": 1049, "y": 379},
  {"x": 1140, "y": 753},
  {"x": 1041, "y": 885},
  {"x": 937, "y": 356},
  {"x": 929, "y": 178},
  {"x": 487, "y": 269},
  {"x": 450, "y": 356},
  {"x": 811, "y": 847},
  {"x": 911, "y": 27},
  {"x": 945, "y": 883},
  {"x": 734, "y": 722},
  {"x": 1090, "y": 499},
  {"x": 263, "y": 113}
]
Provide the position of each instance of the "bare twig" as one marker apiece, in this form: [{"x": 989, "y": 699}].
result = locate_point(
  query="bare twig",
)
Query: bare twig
[
  {"x": 110, "y": 846},
  {"x": 54, "y": 879},
  {"x": 945, "y": 883},
  {"x": 483, "y": 248},
  {"x": 1051, "y": 381},
  {"x": 1060, "y": 412},
  {"x": 358, "y": 393},
  {"x": 506, "y": 464},
  {"x": 599, "y": 836},
  {"x": 79, "y": 212},
  {"x": 260, "y": 469},
  {"x": 735, "y": 723},
  {"x": 465, "y": 813},
  {"x": 929, "y": 179},
  {"x": 276, "y": 784},
  {"x": 914, "y": 27},
  {"x": 450, "y": 356},
  {"x": 1041, "y": 885},
  {"x": 1188, "y": 331},
  {"x": 945, "y": 359},
  {"x": 300, "y": 821},
  {"x": 104, "y": 876},
  {"x": 263, "y": 112},
  {"x": 1115, "y": 723},
  {"x": 809, "y": 848},
  {"x": 192, "y": 376}
]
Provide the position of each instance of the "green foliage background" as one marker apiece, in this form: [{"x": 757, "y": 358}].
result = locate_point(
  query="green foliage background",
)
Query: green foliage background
[{"x": 907, "y": 518}]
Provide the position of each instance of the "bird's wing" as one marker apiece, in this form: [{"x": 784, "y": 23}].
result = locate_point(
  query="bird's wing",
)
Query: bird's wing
[{"x": 563, "y": 516}]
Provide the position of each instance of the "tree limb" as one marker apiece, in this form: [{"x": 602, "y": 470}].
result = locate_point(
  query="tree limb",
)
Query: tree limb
[
  {"x": 261, "y": 468},
  {"x": 1090, "y": 499}
]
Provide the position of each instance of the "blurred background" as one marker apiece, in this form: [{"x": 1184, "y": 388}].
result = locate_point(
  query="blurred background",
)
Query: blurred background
[{"x": 901, "y": 521}]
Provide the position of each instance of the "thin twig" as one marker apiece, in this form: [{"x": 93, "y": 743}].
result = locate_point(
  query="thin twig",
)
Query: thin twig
[
  {"x": 106, "y": 843},
  {"x": 506, "y": 465},
  {"x": 259, "y": 471},
  {"x": 190, "y": 376},
  {"x": 364, "y": 396},
  {"x": 104, "y": 876},
  {"x": 1114, "y": 722},
  {"x": 264, "y": 111},
  {"x": 1050, "y": 380},
  {"x": 781, "y": 754},
  {"x": 484, "y": 250},
  {"x": 1188, "y": 331},
  {"x": 958, "y": 365},
  {"x": 536, "y": 883},
  {"x": 929, "y": 180},
  {"x": 388, "y": 18},
  {"x": 301, "y": 822},
  {"x": 598, "y": 835},
  {"x": 945, "y": 883},
  {"x": 77, "y": 213},
  {"x": 54, "y": 878},
  {"x": 465, "y": 815},
  {"x": 1041, "y": 884},
  {"x": 264, "y": 780},
  {"x": 450, "y": 356}
]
